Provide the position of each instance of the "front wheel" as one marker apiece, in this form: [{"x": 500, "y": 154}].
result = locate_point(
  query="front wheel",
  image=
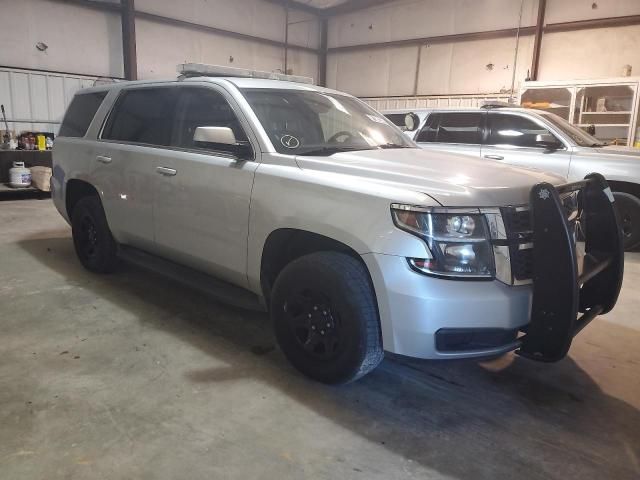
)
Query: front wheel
[
  {"x": 628, "y": 207},
  {"x": 325, "y": 317}
]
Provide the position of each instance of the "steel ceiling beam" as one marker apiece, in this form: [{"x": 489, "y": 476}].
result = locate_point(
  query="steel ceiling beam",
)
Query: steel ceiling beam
[
  {"x": 293, "y": 5},
  {"x": 352, "y": 6},
  {"x": 458, "y": 37},
  {"x": 227, "y": 33},
  {"x": 492, "y": 34}
]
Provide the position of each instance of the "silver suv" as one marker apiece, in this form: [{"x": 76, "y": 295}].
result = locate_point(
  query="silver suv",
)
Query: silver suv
[
  {"x": 307, "y": 203},
  {"x": 532, "y": 138}
]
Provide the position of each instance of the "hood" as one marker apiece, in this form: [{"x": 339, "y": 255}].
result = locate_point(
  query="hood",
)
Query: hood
[
  {"x": 615, "y": 163},
  {"x": 619, "y": 150},
  {"x": 450, "y": 179}
]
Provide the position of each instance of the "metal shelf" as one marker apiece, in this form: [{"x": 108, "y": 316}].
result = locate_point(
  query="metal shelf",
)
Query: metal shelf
[{"x": 607, "y": 113}]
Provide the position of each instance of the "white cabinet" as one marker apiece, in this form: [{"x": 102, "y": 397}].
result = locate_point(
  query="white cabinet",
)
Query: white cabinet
[{"x": 606, "y": 108}]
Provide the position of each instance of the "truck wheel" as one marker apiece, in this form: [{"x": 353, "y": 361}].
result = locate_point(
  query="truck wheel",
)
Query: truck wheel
[
  {"x": 92, "y": 238},
  {"x": 629, "y": 211},
  {"x": 325, "y": 318}
]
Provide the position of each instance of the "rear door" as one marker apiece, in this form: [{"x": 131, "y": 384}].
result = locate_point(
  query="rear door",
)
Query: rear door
[
  {"x": 136, "y": 135},
  {"x": 456, "y": 132},
  {"x": 202, "y": 192},
  {"x": 511, "y": 138}
]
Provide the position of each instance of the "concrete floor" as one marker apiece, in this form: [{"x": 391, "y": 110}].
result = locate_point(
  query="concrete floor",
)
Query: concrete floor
[{"x": 130, "y": 376}]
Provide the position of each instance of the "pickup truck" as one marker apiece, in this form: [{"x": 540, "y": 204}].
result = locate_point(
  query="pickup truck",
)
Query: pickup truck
[
  {"x": 532, "y": 138},
  {"x": 307, "y": 203}
]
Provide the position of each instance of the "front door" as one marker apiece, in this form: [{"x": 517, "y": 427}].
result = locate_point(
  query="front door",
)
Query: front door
[
  {"x": 202, "y": 192},
  {"x": 511, "y": 138}
]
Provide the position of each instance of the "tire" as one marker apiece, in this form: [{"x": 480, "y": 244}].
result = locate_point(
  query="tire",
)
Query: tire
[
  {"x": 628, "y": 207},
  {"x": 325, "y": 317},
  {"x": 92, "y": 238}
]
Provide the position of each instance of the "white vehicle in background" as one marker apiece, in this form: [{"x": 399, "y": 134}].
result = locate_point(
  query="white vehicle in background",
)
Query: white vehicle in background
[
  {"x": 307, "y": 202},
  {"x": 531, "y": 138}
]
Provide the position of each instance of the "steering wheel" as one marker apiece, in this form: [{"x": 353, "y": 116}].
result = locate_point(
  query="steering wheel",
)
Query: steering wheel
[{"x": 334, "y": 138}]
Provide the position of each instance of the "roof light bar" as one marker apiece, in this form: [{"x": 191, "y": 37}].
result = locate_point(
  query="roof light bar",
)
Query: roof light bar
[
  {"x": 186, "y": 70},
  {"x": 489, "y": 104}
]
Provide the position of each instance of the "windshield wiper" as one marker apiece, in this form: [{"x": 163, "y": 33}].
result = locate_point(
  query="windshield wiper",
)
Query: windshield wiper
[
  {"x": 326, "y": 151},
  {"x": 394, "y": 145}
]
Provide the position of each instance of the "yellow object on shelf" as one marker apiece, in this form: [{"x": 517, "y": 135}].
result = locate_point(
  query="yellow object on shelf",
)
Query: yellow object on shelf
[{"x": 42, "y": 142}]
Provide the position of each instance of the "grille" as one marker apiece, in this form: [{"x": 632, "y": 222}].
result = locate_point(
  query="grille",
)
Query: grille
[
  {"x": 517, "y": 222},
  {"x": 522, "y": 264},
  {"x": 519, "y": 230}
]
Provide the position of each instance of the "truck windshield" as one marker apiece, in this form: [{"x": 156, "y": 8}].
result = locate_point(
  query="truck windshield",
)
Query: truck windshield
[
  {"x": 579, "y": 136},
  {"x": 307, "y": 122}
]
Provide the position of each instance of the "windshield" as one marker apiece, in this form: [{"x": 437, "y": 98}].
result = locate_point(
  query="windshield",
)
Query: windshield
[
  {"x": 307, "y": 122},
  {"x": 579, "y": 136}
]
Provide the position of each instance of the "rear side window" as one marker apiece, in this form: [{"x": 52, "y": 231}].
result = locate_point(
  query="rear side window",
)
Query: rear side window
[
  {"x": 143, "y": 116},
  {"x": 458, "y": 127},
  {"x": 515, "y": 130},
  {"x": 81, "y": 111}
]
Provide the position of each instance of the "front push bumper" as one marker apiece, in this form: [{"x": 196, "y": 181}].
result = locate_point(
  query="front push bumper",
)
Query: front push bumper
[{"x": 578, "y": 263}]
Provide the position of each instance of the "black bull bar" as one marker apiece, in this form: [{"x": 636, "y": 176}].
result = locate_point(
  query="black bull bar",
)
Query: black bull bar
[{"x": 571, "y": 289}]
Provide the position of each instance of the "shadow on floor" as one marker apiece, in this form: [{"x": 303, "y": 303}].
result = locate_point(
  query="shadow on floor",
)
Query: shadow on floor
[{"x": 507, "y": 418}]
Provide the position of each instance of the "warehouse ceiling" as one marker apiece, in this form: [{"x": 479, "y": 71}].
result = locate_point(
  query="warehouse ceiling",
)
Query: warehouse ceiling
[
  {"x": 322, "y": 4},
  {"x": 329, "y": 8}
]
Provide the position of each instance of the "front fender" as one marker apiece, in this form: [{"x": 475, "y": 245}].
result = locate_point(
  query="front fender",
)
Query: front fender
[{"x": 351, "y": 210}]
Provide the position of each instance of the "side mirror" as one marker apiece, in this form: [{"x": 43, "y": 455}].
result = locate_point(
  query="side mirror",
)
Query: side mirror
[
  {"x": 547, "y": 141},
  {"x": 223, "y": 138},
  {"x": 411, "y": 122},
  {"x": 219, "y": 135}
]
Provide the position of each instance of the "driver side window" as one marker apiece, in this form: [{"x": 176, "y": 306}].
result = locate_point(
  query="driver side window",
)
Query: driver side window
[
  {"x": 506, "y": 129},
  {"x": 202, "y": 107}
]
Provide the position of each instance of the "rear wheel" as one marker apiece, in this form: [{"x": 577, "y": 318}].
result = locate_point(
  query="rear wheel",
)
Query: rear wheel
[
  {"x": 628, "y": 207},
  {"x": 92, "y": 238},
  {"x": 325, "y": 317}
]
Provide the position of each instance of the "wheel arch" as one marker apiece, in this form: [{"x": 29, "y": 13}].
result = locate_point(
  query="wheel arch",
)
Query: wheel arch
[
  {"x": 284, "y": 245},
  {"x": 625, "y": 187},
  {"x": 75, "y": 190}
]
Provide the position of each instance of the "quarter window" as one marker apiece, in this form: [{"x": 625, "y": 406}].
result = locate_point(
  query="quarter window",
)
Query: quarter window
[
  {"x": 429, "y": 132},
  {"x": 397, "y": 119},
  {"x": 143, "y": 115},
  {"x": 199, "y": 107},
  {"x": 456, "y": 127},
  {"x": 81, "y": 111},
  {"x": 514, "y": 130}
]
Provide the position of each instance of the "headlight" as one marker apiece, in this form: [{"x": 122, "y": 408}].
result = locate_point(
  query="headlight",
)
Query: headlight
[{"x": 459, "y": 242}]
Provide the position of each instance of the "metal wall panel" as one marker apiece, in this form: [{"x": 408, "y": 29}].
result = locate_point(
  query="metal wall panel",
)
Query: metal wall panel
[
  {"x": 454, "y": 101},
  {"x": 36, "y": 101}
]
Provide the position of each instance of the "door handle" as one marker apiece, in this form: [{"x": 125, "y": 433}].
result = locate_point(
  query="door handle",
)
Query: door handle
[
  {"x": 103, "y": 159},
  {"x": 494, "y": 157},
  {"x": 167, "y": 172}
]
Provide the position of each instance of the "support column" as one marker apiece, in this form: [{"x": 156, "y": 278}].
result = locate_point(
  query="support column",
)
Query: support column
[
  {"x": 537, "y": 42},
  {"x": 322, "y": 53},
  {"x": 129, "y": 56}
]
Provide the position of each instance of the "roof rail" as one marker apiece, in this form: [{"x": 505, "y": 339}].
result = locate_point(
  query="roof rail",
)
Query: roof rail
[
  {"x": 489, "y": 104},
  {"x": 188, "y": 70}
]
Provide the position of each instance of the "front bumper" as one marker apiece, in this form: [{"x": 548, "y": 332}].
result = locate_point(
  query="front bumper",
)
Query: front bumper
[
  {"x": 428, "y": 317},
  {"x": 414, "y": 307}
]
